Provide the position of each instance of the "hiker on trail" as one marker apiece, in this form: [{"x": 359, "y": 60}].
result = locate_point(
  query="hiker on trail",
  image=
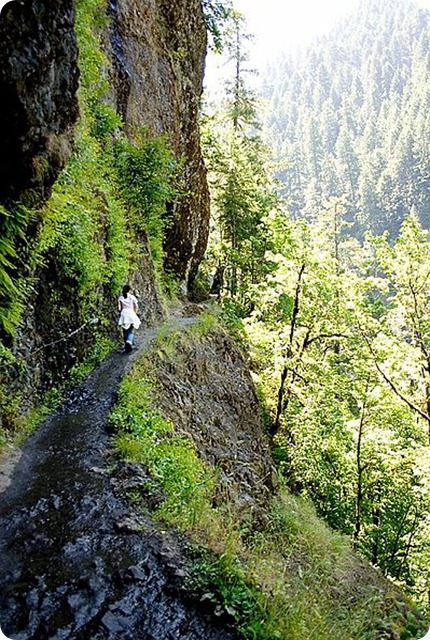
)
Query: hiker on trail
[{"x": 128, "y": 320}]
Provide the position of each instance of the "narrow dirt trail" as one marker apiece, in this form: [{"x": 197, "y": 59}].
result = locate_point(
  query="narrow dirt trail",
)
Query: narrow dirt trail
[{"x": 75, "y": 561}]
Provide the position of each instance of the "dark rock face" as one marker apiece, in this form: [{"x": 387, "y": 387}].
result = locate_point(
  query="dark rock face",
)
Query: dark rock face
[
  {"x": 38, "y": 106},
  {"x": 157, "y": 48}
]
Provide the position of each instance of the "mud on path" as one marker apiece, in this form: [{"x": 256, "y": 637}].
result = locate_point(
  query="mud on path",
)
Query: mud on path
[{"x": 75, "y": 561}]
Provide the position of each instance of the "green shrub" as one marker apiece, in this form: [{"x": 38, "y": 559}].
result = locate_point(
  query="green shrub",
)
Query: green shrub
[{"x": 147, "y": 172}]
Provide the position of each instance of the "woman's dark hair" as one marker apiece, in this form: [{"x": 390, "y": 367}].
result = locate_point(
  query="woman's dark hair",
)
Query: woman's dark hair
[{"x": 126, "y": 288}]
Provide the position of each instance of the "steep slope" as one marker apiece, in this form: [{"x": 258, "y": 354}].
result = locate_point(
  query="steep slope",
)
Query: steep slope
[
  {"x": 78, "y": 558},
  {"x": 156, "y": 57},
  {"x": 188, "y": 417},
  {"x": 205, "y": 388}
]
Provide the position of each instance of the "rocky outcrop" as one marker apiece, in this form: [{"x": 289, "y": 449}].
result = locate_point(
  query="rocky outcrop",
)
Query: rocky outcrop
[
  {"x": 206, "y": 389},
  {"x": 38, "y": 106},
  {"x": 157, "y": 49}
]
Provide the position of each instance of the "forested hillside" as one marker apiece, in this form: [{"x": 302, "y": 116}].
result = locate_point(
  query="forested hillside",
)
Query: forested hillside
[{"x": 349, "y": 118}]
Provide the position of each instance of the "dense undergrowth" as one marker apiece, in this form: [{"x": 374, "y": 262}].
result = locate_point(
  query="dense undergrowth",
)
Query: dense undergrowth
[{"x": 289, "y": 578}]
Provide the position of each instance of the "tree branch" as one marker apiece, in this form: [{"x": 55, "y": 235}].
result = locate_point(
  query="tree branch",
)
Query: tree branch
[{"x": 391, "y": 384}]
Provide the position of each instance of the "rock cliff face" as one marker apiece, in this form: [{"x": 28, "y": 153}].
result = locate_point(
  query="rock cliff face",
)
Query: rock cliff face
[
  {"x": 156, "y": 52},
  {"x": 38, "y": 106},
  {"x": 157, "y": 49}
]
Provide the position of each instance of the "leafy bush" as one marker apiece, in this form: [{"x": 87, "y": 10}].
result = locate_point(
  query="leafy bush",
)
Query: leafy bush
[{"x": 147, "y": 171}]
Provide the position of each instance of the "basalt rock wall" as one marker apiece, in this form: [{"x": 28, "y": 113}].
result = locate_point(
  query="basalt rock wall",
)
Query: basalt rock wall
[
  {"x": 38, "y": 105},
  {"x": 157, "y": 49}
]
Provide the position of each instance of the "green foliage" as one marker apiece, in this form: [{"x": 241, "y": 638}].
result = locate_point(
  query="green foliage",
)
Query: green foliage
[
  {"x": 146, "y": 437},
  {"x": 222, "y": 582},
  {"x": 147, "y": 172},
  {"x": 86, "y": 236},
  {"x": 166, "y": 339},
  {"x": 348, "y": 118},
  {"x": 86, "y": 230},
  {"x": 205, "y": 324},
  {"x": 101, "y": 347},
  {"x": 201, "y": 287},
  {"x": 342, "y": 361},
  {"x": 84, "y": 209},
  {"x": 233, "y": 315},
  {"x": 12, "y": 231},
  {"x": 19, "y": 418},
  {"x": 339, "y": 333},
  {"x": 242, "y": 189},
  {"x": 98, "y": 117},
  {"x": 216, "y": 14}
]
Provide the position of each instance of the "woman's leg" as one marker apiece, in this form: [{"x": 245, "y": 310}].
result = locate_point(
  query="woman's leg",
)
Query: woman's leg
[{"x": 128, "y": 338}]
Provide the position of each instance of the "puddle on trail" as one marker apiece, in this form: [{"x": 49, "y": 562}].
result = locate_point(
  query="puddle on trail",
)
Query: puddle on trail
[{"x": 75, "y": 562}]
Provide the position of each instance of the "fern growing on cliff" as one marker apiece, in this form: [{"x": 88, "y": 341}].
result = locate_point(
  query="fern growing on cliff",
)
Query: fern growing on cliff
[{"x": 12, "y": 228}]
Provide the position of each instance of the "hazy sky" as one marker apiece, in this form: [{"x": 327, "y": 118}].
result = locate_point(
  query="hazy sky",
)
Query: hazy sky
[{"x": 278, "y": 25}]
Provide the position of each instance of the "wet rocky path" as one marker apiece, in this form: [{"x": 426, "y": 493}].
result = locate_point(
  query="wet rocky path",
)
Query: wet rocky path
[{"x": 75, "y": 561}]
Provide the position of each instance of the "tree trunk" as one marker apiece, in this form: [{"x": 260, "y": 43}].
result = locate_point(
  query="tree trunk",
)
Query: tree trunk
[{"x": 289, "y": 351}]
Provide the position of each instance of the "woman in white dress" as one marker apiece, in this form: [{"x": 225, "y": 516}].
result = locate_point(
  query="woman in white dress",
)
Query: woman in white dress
[{"x": 128, "y": 319}]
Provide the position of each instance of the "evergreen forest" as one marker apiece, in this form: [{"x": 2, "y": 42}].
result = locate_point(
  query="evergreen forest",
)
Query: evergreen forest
[{"x": 348, "y": 118}]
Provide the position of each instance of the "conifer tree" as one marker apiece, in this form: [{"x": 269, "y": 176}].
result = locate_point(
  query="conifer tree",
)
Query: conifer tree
[{"x": 241, "y": 184}]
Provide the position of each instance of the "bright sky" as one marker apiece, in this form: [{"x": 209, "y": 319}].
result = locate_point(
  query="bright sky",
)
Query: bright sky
[{"x": 281, "y": 25}]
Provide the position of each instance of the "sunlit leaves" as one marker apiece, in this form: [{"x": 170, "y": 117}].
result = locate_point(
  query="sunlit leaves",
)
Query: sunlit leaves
[{"x": 352, "y": 372}]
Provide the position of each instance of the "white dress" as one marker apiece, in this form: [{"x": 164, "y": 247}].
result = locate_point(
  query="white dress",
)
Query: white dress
[{"x": 128, "y": 315}]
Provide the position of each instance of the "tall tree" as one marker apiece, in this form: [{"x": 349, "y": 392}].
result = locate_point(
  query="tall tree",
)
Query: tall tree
[{"x": 240, "y": 175}]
